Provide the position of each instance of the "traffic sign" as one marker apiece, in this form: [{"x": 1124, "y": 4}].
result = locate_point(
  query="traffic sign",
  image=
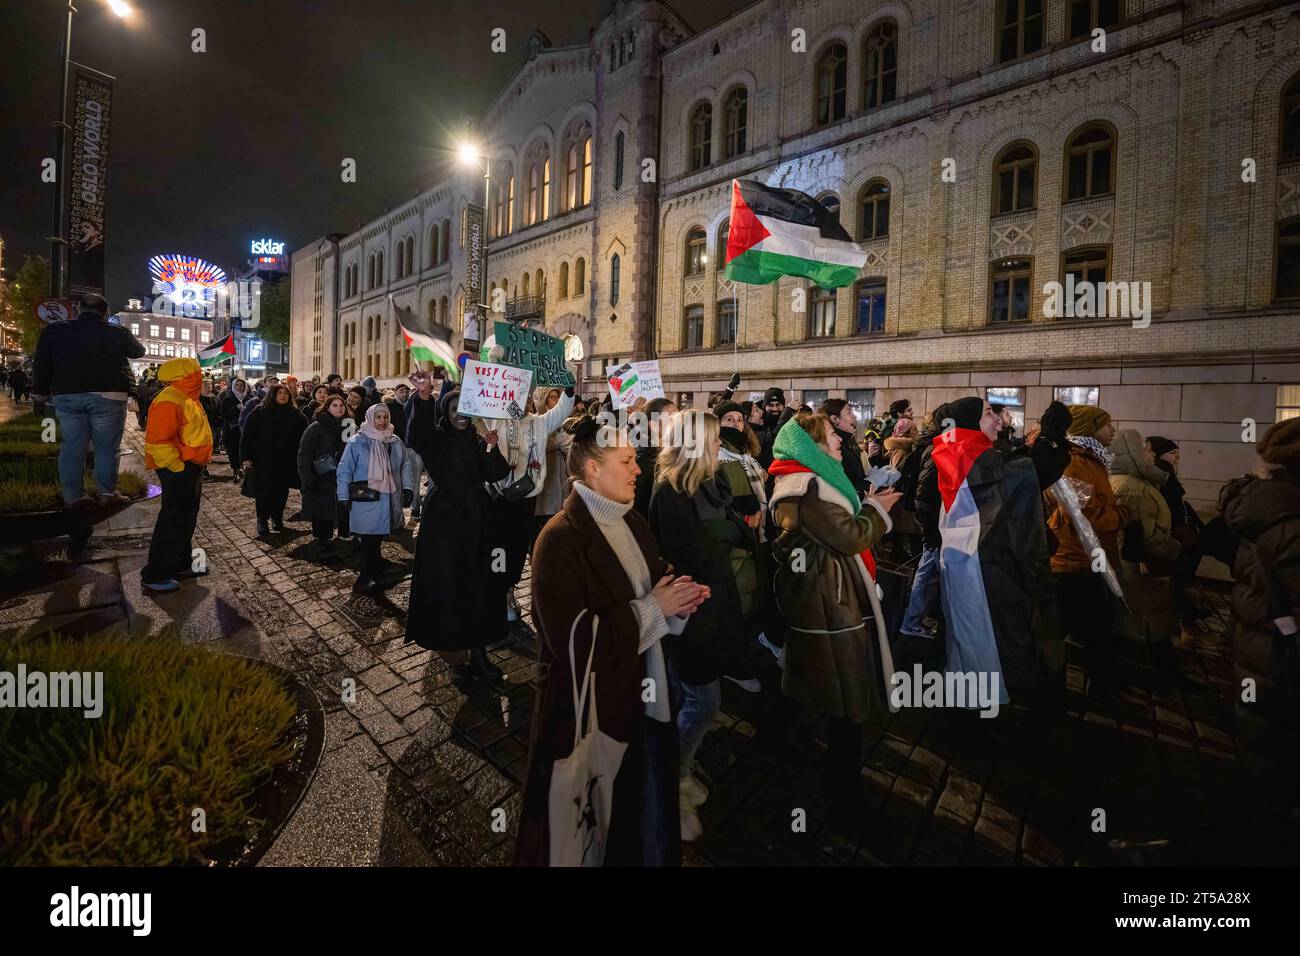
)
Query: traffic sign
[{"x": 54, "y": 310}]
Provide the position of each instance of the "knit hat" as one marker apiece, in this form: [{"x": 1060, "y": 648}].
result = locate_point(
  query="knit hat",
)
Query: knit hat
[
  {"x": 722, "y": 408},
  {"x": 1087, "y": 420},
  {"x": 746, "y": 409},
  {"x": 774, "y": 394},
  {"x": 966, "y": 412},
  {"x": 1281, "y": 444},
  {"x": 1161, "y": 446}
]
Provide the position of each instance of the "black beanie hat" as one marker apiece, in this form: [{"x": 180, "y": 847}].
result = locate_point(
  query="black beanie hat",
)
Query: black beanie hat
[
  {"x": 966, "y": 412},
  {"x": 1160, "y": 446},
  {"x": 722, "y": 408},
  {"x": 774, "y": 394}
]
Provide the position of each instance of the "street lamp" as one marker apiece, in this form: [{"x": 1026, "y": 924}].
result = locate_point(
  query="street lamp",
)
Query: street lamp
[
  {"x": 470, "y": 155},
  {"x": 58, "y": 241}
]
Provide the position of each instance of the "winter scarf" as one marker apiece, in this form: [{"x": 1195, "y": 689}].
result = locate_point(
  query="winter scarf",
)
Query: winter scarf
[
  {"x": 795, "y": 451},
  {"x": 1097, "y": 448},
  {"x": 379, "y": 477}
]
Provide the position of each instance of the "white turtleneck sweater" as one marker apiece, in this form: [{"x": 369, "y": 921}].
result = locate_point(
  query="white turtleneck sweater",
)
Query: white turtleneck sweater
[{"x": 653, "y": 625}]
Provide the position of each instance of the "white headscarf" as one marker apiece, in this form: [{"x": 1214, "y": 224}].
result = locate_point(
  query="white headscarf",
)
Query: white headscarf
[{"x": 379, "y": 474}]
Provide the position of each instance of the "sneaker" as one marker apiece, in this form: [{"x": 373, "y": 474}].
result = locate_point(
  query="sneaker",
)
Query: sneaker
[
  {"x": 512, "y": 606},
  {"x": 692, "y": 828},
  {"x": 750, "y": 684},
  {"x": 918, "y": 632},
  {"x": 162, "y": 587},
  {"x": 692, "y": 792}
]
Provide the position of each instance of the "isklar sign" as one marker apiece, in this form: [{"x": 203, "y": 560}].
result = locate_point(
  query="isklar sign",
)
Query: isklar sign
[{"x": 266, "y": 247}]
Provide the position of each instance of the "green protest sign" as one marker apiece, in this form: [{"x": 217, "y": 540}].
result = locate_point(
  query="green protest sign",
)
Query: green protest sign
[{"x": 536, "y": 351}]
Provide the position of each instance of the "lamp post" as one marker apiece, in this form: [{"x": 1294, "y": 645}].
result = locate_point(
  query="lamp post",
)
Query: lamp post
[{"x": 58, "y": 241}]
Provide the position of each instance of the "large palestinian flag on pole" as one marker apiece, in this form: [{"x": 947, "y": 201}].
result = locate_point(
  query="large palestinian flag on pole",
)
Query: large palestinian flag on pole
[
  {"x": 783, "y": 232},
  {"x": 218, "y": 351},
  {"x": 429, "y": 342}
]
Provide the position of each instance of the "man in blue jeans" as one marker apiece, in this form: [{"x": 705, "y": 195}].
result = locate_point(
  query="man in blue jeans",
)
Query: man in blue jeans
[{"x": 85, "y": 365}]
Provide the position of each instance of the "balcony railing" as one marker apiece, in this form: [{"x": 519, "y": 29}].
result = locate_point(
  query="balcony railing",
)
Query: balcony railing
[{"x": 526, "y": 308}]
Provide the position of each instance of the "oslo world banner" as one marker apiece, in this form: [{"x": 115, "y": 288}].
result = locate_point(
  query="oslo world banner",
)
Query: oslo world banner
[{"x": 92, "y": 113}]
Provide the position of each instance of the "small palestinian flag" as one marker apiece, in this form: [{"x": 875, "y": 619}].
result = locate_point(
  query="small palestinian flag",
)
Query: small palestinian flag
[
  {"x": 218, "y": 351},
  {"x": 783, "y": 232},
  {"x": 428, "y": 341}
]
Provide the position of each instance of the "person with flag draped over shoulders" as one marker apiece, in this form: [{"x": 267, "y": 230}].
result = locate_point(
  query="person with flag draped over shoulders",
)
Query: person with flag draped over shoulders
[
  {"x": 837, "y": 654},
  {"x": 995, "y": 579}
]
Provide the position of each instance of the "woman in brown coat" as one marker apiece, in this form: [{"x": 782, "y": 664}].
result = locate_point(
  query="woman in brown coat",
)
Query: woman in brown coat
[
  {"x": 598, "y": 556},
  {"x": 837, "y": 657}
]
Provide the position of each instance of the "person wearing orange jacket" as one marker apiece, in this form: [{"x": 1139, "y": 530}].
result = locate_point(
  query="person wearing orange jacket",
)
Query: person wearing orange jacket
[{"x": 177, "y": 444}]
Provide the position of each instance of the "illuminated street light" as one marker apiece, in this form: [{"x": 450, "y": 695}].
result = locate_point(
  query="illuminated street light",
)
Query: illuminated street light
[
  {"x": 120, "y": 8},
  {"x": 468, "y": 153}
]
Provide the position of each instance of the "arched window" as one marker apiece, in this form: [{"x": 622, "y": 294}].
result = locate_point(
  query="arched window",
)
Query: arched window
[
  {"x": 442, "y": 311},
  {"x": 534, "y": 182},
  {"x": 701, "y": 135},
  {"x": 821, "y": 319},
  {"x": 539, "y": 283},
  {"x": 615, "y": 277},
  {"x": 1015, "y": 179},
  {"x": 696, "y": 252},
  {"x": 433, "y": 311},
  {"x": 724, "y": 233},
  {"x": 1286, "y": 277},
  {"x": 433, "y": 245},
  {"x": 618, "y": 159},
  {"x": 1009, "y": 285},
  {"x": 586, "y": 170},
  {"x": 880, "y": 65},
  {"x": 874, "y": 218},
  {"x": 1089, "y": 264},
  {"x": 510, "y": 206},
  {"x": 870, "y": 294},
  {"x": 524, "y": 285},
  {"x": 1090, "y": 163},
  {"x": 563, "y": 291},
  {"x": 410, "y": 254},
  {"x": 546, "y": 190},
  {"x": 370, "y": 271},
  {"x": 727, "y": 322},
  {"x": 831, "y": 201},
  {"x": 1088, "y": 15},
  {"x": 501, "y": 212},
  {"x": 572, "y": 187},
  {"x": 735, "y": 116},
  {"x": 446, "y": 240},
  {"x": 693, "y": 333},
  {"x": 580, "y": 277},
  {"x": 831, "y": 84},
  {"x": 1020, "y": 28},
  {"x": 1290, "y": 125}
]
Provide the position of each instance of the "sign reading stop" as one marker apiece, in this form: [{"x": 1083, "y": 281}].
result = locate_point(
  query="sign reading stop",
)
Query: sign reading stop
[{"x": 54, "y": 310}]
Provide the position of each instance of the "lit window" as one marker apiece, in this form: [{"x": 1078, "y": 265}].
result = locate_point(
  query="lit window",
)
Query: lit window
[
  {"x": 1077, "y": 394},
  {"x": 1288, "y": 402},
  {"x": 615, "y": 277},
  {"x": 203, "y": 337},
  {"x": 185, "y": 334},
  {"x": 862, "y": 401},
  {"x": 694, "y": 333},
  {"x": 1287, "y": 271},
  {"x": 696, "y": 244},
  {"x": 821, "y": 321},
  {"x": 153, "y": 331},
  {"x": 1013, "y": 400},
  {"x": 171, "y": 332},
  {"x": 135, "y": 328}
]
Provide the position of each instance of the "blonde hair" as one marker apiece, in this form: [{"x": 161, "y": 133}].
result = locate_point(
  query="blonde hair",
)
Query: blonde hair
[
  {"x": 817, "y": 426},
  {"x": 689, "y": 453}
]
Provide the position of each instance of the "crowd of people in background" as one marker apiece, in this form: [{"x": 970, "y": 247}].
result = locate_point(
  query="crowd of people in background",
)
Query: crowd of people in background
[{"x": 742, "y": 543}]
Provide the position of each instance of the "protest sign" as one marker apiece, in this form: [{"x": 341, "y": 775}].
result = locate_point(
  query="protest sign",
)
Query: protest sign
[
  {"x": 541, "y": 354},
  {"x": 756, "y": 397},
  {"x": 494, "y": 391},
  {"x": 633, "y": 380}
]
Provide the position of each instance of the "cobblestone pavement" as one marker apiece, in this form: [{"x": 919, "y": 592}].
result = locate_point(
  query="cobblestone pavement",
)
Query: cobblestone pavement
[{"x": 942, "y": 787}]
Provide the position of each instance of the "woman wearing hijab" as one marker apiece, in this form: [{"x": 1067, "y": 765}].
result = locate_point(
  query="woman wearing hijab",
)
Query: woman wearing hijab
[
  {"x": 269, "y": 446},
  {"x": 459, "y": 584},
  {"x": 374, "y": 483},
  {"x": 837, "y": 656},
  {"x": 597, "y": 559},
  {"x": 231, "y": 404},
  {"x": 319, "y": 452}
]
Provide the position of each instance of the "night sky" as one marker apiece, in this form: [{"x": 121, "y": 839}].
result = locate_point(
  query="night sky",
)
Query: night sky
[{"x": 212, "y": 150}]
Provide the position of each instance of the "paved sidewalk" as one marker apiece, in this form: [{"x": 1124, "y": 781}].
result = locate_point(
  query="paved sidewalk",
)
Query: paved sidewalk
[{"x": 415, "y": 768}]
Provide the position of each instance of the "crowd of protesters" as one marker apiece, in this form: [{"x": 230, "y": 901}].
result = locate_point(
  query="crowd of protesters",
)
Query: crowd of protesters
[{"x": 680, "y": 548}]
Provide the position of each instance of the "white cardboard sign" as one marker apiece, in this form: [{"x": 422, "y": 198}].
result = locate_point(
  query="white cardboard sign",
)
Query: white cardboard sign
[
  {"x": 494, "y": 391},
  {"x": 632, "y": 380}
]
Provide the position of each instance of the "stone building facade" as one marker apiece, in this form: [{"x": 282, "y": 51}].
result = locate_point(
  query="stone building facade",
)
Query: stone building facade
[{"x": 977, "y": 151}]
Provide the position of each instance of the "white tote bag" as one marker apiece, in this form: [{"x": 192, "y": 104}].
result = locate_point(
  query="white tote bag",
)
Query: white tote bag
[{"x": 582, "y": 784}]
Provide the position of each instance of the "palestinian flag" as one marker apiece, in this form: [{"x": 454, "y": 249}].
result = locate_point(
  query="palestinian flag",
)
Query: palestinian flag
[
  {"x": 218, "y": 351},
  {"x": 783, "y": 232},
  {"x": 428, "y": 341}
]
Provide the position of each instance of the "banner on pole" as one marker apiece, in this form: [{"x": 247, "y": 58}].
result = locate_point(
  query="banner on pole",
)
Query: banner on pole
[
  {"x": 494, "y": 391},
  {"x": 92, "y": 96},
  {"x": 633, "y": 380},
  {"x": 541, "y": 354},
  {"x": 472, "y": 240}
]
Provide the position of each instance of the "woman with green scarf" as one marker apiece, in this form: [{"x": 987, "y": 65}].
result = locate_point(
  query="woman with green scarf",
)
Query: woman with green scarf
[{"x": 837, "y": 658}]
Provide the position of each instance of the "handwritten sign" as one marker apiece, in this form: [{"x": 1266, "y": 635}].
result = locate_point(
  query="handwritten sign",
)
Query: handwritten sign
[
  {"x": 494, "y": 391},
  {"x": 633, "y": 380},
  {"x": 541, "y": 354}
]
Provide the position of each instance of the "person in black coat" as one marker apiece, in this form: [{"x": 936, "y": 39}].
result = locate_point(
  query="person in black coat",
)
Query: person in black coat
[
  {"x": 269, "y": 446},
  {"x": 1265, "y": 516},
  {"x": 657, "y": 411},
  {"x": 459, "y": 583},
  {"x": 845, "y": 422},
  {"x": 228, "y": 408},
  {"x": 322, "y": 442}
]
